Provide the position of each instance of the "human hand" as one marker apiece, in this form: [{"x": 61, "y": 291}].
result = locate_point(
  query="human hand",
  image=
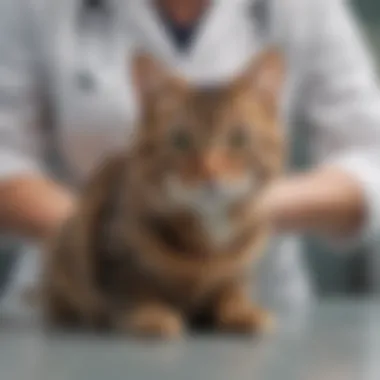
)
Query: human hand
[
  {"x": 325, "y": 201},
  {"x": 33, "y": 206}
]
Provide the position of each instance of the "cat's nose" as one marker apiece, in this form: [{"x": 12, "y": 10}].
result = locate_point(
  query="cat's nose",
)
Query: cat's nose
[{"x": 211, "y": 166}]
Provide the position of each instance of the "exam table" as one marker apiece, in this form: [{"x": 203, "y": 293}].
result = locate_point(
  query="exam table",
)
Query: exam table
[{"x": 337, "y": 339}]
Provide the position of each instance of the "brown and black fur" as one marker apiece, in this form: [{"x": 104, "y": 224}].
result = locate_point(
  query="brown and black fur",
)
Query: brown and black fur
[{"x": 130, "y": 258}]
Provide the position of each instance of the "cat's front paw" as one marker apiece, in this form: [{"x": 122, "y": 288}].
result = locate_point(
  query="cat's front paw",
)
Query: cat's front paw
[
  {"x": 248, "y": 319},
  {"x": 153, "y": 321}
]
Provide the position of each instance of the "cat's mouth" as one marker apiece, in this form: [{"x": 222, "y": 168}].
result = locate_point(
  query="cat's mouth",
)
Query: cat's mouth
[{"x": 208, "y": 195}]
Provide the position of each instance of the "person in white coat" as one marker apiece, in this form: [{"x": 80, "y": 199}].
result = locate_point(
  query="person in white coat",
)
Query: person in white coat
[{"x": 66, "y": 92}]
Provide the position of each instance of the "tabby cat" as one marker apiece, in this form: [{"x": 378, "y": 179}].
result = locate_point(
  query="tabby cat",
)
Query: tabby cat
[{"x": 167, "y": 232}]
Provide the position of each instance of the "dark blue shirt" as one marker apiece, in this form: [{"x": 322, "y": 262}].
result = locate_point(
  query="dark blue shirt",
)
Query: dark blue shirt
[{"x": 182, "y": 36}]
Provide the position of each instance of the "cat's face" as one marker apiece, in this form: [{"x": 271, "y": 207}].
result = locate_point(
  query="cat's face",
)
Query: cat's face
[{"x": 208, "y": 148}]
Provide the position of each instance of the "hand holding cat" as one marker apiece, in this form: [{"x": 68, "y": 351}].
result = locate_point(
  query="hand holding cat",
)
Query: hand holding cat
[{"x": 323, "y": 201}]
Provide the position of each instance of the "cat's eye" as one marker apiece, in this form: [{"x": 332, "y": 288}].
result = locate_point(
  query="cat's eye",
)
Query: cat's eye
[
  {"x": 238, "y": 139},
  {"x": 181, "y": 140}
]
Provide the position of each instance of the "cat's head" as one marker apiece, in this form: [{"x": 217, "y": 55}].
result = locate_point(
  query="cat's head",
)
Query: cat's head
[{"x": 207, "y": 147}]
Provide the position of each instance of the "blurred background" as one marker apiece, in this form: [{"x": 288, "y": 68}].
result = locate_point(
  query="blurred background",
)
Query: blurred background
[{"x": 332, "y": 273}]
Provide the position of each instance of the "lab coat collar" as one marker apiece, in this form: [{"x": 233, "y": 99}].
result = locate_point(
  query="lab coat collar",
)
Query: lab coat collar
[{"x": 143, "y": 16}]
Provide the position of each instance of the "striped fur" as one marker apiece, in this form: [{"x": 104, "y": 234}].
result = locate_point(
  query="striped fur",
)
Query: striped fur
[{"x": 167, "y": 232}]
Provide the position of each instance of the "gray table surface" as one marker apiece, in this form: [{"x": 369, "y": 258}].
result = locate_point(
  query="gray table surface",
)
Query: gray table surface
[{"x": 338, "y": 339}]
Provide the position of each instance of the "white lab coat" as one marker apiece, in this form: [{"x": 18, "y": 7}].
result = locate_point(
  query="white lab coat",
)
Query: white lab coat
[{"x": 53, "y": 59}]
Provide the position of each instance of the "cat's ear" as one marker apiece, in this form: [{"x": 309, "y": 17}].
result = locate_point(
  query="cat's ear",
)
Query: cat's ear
[
  {"x": 151, "y": 77},
  {"x": 265, "y": 76}
]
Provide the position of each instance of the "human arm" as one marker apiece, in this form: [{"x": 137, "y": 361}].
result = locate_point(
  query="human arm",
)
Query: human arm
[
  {"x": 340, "y": 196},
  {"x": 30, "y": 203}
]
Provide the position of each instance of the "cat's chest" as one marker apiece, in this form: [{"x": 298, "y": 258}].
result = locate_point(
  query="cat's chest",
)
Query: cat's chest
[{"x": 218, "y": 227}]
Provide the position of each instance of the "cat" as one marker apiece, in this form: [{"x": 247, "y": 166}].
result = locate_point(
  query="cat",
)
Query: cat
[{"x": 168, "y": 230}]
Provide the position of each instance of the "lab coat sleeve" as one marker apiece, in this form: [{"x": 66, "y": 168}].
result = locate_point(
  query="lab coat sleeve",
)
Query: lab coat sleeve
[
  {"x": 20, "y": 139},
  {"x": 342, "y": 104}
]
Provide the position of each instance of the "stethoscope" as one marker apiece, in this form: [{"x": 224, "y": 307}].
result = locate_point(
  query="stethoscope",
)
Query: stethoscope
[
  {"x": 88, "y": 52},
  {"x": 98, "y": 37}
]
